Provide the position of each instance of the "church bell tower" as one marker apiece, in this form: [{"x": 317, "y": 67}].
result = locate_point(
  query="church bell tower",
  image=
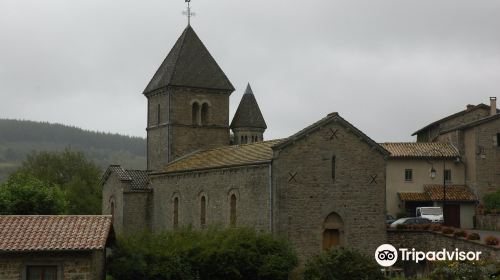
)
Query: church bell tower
[{"x": 188, "y": 103}]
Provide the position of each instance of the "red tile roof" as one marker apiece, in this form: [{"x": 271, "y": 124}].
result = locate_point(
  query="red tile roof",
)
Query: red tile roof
[
  {"x": 53, "y": 233},
  {"x": 410, "y": 196},
  {"x": 453, "y": 193},
  {"x": 421, "y": 150},
  {"x": 435, "y": 193}
]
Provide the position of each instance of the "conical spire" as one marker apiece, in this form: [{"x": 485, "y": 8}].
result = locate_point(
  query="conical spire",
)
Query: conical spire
[
  {"x": 189, "y": 64},
  {"x": 248, "y": 113}
]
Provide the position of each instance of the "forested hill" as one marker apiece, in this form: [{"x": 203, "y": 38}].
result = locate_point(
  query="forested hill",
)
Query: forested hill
[{"x": 18, "y": 138}]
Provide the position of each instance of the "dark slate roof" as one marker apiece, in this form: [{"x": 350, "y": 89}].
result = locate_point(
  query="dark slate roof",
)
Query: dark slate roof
[
  {"x": 472, "y": 124},
  {"x": 463, "y": 112},
  {"x": 138, "y": 179},
  {"x": 248, "y": 113},
  {"x": 329, "y": 118},
  {"x": 189, "y": 64}
]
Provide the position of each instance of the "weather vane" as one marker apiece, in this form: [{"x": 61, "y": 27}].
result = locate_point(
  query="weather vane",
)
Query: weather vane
[{"x": 188, "y": 12}]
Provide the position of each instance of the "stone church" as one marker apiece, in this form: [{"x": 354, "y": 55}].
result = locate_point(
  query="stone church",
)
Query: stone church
[{"x": 323, "y": 186}]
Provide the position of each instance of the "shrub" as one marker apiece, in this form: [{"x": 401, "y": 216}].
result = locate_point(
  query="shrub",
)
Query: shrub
[
  {"x": 492, "y": 201},
  {"x": 460, "y": 233},
  {"x": 491, "y": 240},
  {"x": 426, "y": 226},
  {"x": 447, "y": 230},
  {"x": 401, "y": 226},
  {"x": 473, "y": 236},
  {"x": 340, "y": 264},
  {"x": 459, "y": 270},
  {"x": 436, "y": 227},
  {"x": 209, "y": 254}
]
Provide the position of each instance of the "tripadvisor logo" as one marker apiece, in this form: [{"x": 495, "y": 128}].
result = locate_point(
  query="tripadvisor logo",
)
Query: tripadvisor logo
[{"x": 387, "y": 255}]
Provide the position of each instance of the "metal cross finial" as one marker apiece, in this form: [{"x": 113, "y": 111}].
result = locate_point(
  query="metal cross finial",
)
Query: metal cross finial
[{"x": 188, "y": 11}]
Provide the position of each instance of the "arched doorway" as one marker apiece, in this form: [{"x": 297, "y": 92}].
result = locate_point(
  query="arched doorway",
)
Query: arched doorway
[{"x": 333, "y": 231}]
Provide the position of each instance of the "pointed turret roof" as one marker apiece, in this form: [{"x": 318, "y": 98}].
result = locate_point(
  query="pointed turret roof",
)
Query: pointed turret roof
[
  {"x": 248, "y": 113},
  {"x": 189, "y": 64}
]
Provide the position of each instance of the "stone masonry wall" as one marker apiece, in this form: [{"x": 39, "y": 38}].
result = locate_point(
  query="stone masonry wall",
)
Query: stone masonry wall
[
  {"x": 487, "y": 158},
  {"x": 250, "y": 184},
  {"x": 304, "y": 202},
  {"x": 433, "y": 241},
  {"x": 112, "y": 190},
  {"x": 73, "y": 266},
  {"x": 488, "y": 222},
  {"x": 137, "y": 212}
]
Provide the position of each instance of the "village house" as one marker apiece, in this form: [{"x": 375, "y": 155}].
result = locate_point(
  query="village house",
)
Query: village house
[{"x": 54, "y": 247}]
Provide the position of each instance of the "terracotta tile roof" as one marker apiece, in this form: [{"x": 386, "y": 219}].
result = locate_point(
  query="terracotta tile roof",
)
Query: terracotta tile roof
[
  {"x": 421, "y": 150},
  {"x": 435, "y": 193},
  {"x": 225, "y": 156},
  {"x": 453, "y": 193},
  {"x": 411, "y": 196},
  {"x": 53, "y": 233}
]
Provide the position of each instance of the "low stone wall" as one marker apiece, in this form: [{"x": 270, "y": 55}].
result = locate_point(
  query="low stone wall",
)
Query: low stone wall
[
  {"x": 434, "y": 241},
  {"x": 488, "y": 222},
  {"x": 70, "y": 265}
]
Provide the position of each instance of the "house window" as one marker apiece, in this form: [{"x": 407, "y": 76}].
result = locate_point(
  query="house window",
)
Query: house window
[
  {"x": 408, "y": 175},
  {"x": 204, "y": 114},
  {"x": 41, "y": 272},
  {"x": 195, "y": 112},
  {"x": 203, "y": 211},
  {"x": 447, "y": 175},
  {"x": 158, "y": 114},
  {"x": 232, "y": 214},
  {"x": 333, "y": 167},
  {"x": 176, "y": 212}
]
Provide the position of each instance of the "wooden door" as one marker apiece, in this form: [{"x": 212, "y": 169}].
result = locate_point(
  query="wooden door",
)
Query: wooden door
[
  {"x": 331, "y": 238},
  {"x": 452, "y": 215}
]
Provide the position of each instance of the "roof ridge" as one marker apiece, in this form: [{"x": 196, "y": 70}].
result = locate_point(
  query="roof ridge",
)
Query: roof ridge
[{"x": 180, "y": 50}]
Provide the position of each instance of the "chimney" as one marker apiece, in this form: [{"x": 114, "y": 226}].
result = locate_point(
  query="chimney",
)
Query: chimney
[
  {"x": 470, "y": 106},
  {"x": 493, "y": 106}
]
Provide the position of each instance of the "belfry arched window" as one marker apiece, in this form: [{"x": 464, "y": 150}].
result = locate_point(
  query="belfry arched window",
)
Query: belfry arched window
[
  {"x": 195, "y": 113},
  {"x": 204, "y": 113},
  {"x": 203, "y": 211},
  {"x": 232, "y": 211},
  {"x": 176, "y": 212}
]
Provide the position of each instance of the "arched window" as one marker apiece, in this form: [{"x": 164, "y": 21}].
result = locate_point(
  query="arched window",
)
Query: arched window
[
  {"x": 195, "y": 113},
  {"x": 176, "y": 212},
  {"x": 204, "y": 113},
  {"x": 112, "y": 206},
  {"x": 333, "y": 231},
  {"x": 232, "y": 213},
  {"x": 333, "y": 167},
  {"x": 158, "y": 114},
  {"x": 203, "y": 211}
]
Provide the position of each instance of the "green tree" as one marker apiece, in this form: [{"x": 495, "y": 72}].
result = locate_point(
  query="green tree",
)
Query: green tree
[
  {"x": 26, "y": 195},
  {"x": 340, "y": 264},
  {"x": 77, "y": 177}
]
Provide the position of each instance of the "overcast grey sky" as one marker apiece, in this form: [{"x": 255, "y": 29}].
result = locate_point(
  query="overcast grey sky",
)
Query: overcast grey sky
[{"x": 388, "y": 66}]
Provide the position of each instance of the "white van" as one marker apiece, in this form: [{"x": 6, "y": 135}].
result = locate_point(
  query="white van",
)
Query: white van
[{"x": 434, "y": 214}]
